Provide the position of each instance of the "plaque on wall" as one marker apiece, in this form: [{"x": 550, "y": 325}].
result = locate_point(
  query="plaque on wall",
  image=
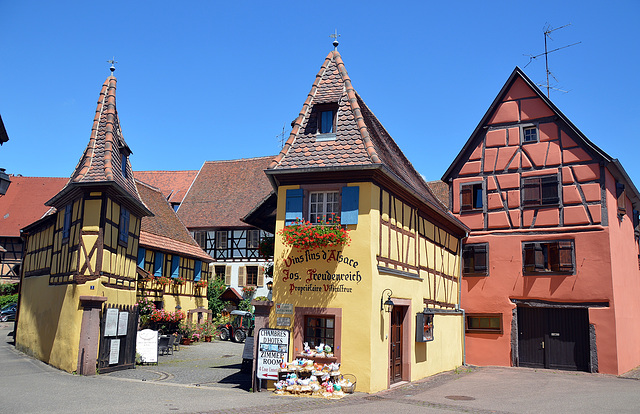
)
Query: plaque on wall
[
  {"x": 283, "y": 321},
  {"x": 284, "y": 308},
  {"x": 111, "y": 323}
]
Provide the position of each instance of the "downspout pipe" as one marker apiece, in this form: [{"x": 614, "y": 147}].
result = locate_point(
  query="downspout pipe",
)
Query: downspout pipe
[{"x": 464, "y": 345}]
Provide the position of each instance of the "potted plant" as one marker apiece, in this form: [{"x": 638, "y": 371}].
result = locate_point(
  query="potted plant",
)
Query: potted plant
[
  {"x": 305, "y": 235},
  {"x": 163, "y": 281},
  {"x": 179, "y": 281}
]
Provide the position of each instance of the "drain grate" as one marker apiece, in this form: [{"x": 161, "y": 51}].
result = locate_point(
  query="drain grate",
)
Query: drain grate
[{"x": 459, "y": 397}]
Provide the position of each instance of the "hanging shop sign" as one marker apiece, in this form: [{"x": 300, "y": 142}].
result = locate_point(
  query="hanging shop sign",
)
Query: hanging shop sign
[{"x": 273, "y": 348}]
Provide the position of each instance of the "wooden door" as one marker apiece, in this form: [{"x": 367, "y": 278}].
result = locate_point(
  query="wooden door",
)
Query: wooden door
[
  {"x": 395, "y": 364},
  {"x": 553, "y": 338}
]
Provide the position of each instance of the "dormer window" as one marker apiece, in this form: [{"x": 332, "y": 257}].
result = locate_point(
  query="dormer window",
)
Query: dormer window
[
  {"x": 124, "y": 165},
  {"x": 326, "y": 118}
]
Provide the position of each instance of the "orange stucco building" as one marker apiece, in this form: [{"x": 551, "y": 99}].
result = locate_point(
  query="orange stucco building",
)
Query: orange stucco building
[{"x": 551, "y": 267}]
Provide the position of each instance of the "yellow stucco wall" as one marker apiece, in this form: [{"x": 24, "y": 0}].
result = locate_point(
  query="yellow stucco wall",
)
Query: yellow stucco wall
[{"x": 365, "y": 330}]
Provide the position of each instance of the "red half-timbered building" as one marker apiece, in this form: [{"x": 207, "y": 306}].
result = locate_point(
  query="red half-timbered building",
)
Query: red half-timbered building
[{"x": 550, "y": 270}]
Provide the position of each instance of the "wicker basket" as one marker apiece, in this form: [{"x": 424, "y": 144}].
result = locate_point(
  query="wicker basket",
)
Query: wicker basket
[{"x": 350, "y": 389}]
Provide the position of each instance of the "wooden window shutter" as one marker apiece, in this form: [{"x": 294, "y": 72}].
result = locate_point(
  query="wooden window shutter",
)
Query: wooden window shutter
[
  {"x": 293, "y": 206},
  {"x": 480, "y": 258},
  {"x": 242, "y": 271},
  {"x": 565, "y": 256},
  {"x": 549, "y": 190},
  {"x": 539, "y": 257},
  {"x": 531, "y": 191},
  {"x": 157, "y": 264},
  {"x": 260, "y": 281},
  {"x": 467, "y": 259},
  {"x": 227, "y": 275},
  {"x": 529, "y": 257},
  {"x": 141, "y": 254},
  {"x": 467, "y": 197},
  {"x": 553, "y": 256},
  {"x": 175, "y": 266},
  {"x": 350, "y": 204},
  {"x": 197, "y": 272}
]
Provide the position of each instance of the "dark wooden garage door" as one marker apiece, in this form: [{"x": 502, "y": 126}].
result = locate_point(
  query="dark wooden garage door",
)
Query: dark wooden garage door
[{"x": 553, "y": 338}]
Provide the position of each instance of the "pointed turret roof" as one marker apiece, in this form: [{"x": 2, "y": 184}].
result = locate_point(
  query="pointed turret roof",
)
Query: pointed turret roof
[
  {"x": 101, "y": 162},
  {"x": 360, "y": 142}
]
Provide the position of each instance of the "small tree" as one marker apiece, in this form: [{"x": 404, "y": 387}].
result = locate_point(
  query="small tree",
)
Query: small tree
[{"x": 214, "y": 293}]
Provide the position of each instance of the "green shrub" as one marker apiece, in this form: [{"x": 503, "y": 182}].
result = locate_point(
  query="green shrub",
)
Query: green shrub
[
  {"x": 8, "y": 288},
  {"x": 7, "y": 299},
  {"x": 214, "y": 291}
]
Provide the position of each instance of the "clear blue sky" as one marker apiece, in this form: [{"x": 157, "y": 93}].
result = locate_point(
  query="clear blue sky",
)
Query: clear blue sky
[{"x": 201, "y": 81}]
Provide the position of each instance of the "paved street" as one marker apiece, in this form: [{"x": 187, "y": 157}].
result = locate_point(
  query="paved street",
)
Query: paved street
[{"x": 205, "y": 378}]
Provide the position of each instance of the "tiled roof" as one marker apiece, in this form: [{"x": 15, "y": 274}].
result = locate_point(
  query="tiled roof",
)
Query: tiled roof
[
  {"x": 360, "y": 138},
  {"x": 164, "y": 230},
  {"x": 102, "y": 158},
  {"x": 173, "y": 184},
  {"x": 440, "y": 189},
  {"x": 24, "y": 202},
  {"x": 225, "y": 191}
]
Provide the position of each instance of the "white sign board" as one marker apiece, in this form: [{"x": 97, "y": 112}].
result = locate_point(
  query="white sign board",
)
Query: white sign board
[
  {"x": 147, "y": 345},
  {"x": 114, "y": 352},
  {"x": 284, "y": 308},
  {"x": 123, "y": 321},
  {"x": 111, "y": 324},
  {"x": 273, "y": 347}
]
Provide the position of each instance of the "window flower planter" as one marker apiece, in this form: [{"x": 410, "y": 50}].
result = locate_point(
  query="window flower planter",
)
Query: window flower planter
[{"x": 305, "y": 235}]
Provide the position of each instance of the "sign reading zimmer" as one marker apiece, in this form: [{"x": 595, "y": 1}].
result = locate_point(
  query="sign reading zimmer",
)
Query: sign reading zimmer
[{"x": 273, "y": 348}]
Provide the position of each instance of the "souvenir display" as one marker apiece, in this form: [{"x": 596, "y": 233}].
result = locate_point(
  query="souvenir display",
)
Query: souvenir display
[{"x": 305, "y": 377}]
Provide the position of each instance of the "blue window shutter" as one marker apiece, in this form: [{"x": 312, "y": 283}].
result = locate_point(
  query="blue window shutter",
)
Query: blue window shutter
[
  {"x": 175, "y": 266},
  {"x": 157, "y": 265},
  {"x": 141, "y": 253},
  {"x": 350, "y": 202},
  {"x": 67, "y": 222},
  {"x": 197, "y": 271},
  {"x": 293, "y": 209}
]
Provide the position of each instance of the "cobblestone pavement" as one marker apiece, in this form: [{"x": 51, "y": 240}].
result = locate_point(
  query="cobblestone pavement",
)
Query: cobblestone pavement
[{"x": 204, "y": 364}]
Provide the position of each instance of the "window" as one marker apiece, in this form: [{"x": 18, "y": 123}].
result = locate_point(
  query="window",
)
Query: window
[
  {"x": 66, "y": 229},
  {"x": 220, "y": 272},
  {"x": 201, "y": 238},
  {"x": 221, "y": 240},
  {"x": 319, "y": 330},
  {"x": 530, "y": 134},
  {"x": 326, "y": 124},
  {"x": 252, "y": 276},
  {"x": 253, "y": 239},
  {"x": 472, "y": 197},
  {"x": 540, "y": 191},
  {"x": 299, "y": 204},
  {"x": 474, "y": 259},
  {"x": 124, "y": 226},
  {"x": 123, "y": 164},
  {"x": 484, "y": 323},
  {"x": 548, "y": 257},
  {"x": 324, "y": 207},
  {"x": 621, "y": 196}
]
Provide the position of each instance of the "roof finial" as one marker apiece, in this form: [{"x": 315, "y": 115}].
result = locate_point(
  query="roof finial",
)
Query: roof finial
[
  {"x": 335, "y": 37},
  {"x": 112, "y": 61}
]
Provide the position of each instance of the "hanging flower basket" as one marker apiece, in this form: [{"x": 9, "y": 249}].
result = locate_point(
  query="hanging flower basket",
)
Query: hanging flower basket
[{"x": 305, "y": 235}]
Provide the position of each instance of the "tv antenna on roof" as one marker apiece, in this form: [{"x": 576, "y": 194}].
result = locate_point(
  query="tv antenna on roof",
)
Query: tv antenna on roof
[
  {"x": 547, "y": 35},
  {"x": 280, "y": 137}
]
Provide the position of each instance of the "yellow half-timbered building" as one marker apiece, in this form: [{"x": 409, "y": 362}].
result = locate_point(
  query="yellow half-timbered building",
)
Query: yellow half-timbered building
[{"x": 386, "y": 302}]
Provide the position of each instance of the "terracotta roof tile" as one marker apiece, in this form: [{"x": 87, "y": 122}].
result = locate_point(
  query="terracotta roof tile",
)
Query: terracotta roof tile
[
  {"x": 24, "y": 202},
  {"x": 173, "y": 184},
  {"x": 101, "y": 161},
  {"x": 440, "y": 189},
  {"x": 225, "y": 191},
  {"x": 164, "y": 230}
]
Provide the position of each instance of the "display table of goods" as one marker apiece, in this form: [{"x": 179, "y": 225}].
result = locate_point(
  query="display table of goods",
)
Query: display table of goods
[{"x": 305, "y": 377}]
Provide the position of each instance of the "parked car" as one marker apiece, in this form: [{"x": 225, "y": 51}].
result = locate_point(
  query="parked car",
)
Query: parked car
[
  {"x": 8, "y": 313},
  {"x": 240, "y": 326}
]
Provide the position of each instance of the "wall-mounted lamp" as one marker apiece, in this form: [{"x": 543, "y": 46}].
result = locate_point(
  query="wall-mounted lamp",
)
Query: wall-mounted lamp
[
  {"x": 387, "y": 305},
  {"x": 270, "y": 285}
]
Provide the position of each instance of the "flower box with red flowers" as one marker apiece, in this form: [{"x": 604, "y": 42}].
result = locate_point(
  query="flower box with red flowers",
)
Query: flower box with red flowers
[{"x": 306, "y": 235}]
